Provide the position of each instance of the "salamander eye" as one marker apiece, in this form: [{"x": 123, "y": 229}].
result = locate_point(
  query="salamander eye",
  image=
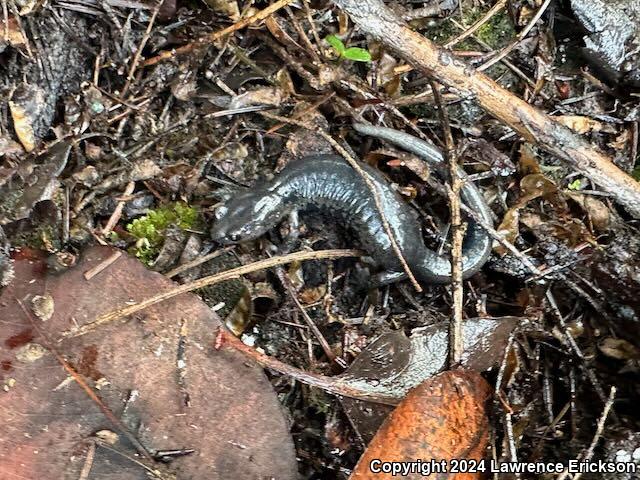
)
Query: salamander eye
[
  {"x": 220, "y": 212},
  {"x": 234, "y": 237}
]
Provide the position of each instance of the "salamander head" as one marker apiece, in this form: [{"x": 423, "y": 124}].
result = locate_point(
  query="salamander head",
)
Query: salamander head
[{"x": 247, "y": 217}]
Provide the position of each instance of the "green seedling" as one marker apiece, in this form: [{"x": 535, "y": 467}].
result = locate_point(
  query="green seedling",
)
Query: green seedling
[
  {"x": 352, "y": 53},
  {"x": 575, "y": 185}
]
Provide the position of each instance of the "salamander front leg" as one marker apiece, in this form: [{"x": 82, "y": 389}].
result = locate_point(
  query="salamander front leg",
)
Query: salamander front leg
[
  {"x": 294, "y": 231},
  {"x": 387, "y": 277}
]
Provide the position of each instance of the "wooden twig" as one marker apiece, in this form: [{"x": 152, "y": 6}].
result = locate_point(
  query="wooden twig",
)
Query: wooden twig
[
  {"x": 456, "y": 344},
  {"x": 370, "y": 185},
  {"x": 525, "y": 31},
  {"x": 138, "y": 54},
  {"x": 326, "y": 348},
  {"x": 5, "y": 20},
  {"x": 88, "y": 461},
  {"x": 374, "y": 18},
  {"x": 302, "y": 113},
  {"x": 117, "y": 212},
  {"x": 92, "y": 272},
  {"x": 571, "y": 341},
  {"x": 588, "y": 454},
  {"x": 205, "y": 281},
  {"x": 335, "y": 385},
  {"x": 212, "y": 37},
  {"x": 198, "y": 261}
]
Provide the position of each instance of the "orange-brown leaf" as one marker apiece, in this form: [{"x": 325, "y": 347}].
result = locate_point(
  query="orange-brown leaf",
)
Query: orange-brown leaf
[{"x": 441, "y": 419}]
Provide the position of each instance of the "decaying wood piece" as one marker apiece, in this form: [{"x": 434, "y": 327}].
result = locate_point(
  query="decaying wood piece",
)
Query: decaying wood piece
[{"x": 374, "y": 18}]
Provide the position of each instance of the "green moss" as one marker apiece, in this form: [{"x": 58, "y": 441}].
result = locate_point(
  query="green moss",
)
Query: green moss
[
  {"x": 497, "y": 32},
  {"x": 636, "y": 173},
  {"x": 149, "y": 229}
]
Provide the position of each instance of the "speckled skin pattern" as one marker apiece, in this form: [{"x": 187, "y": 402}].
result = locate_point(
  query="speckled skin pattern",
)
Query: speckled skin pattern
[{"x": 328, "y": 182}]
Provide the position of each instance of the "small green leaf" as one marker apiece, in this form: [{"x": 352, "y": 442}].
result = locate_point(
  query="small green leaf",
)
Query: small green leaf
[
  {"x": 336, "y": 43},
  {"x": 575, "y": 185},
  {"x": 357, "y": 54}
]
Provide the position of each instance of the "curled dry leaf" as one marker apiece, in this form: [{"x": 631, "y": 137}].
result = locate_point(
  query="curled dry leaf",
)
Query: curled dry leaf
[
  {"x": 532, "y": 186},
  {"x": 274, "y": 27},
  {"x": 260, "y": 96},
  {"x": 14, "y": 36},
  {"x": 598, "y": 212},
  {"x": 393, "y": 364},
  {"x": 25, "y": 105},
  {"x": 443, "y": 418},
  {"x": 619, "y": 349},
  {"x": 187, "y": 395},
  {"x": 226, "y": 7},
  {"x": 582, "y": 124},
  {"x": 239, "y": 318},
  {"x": 403, "y": 159}
]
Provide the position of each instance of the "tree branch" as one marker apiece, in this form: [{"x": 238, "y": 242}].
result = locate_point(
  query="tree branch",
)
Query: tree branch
[{"x": 374, "y": 18}]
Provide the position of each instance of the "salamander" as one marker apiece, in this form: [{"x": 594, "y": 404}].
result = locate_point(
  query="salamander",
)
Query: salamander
[{"x": 328, "y": 182}]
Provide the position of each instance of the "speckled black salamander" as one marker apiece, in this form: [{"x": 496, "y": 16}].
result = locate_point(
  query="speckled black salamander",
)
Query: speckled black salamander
[{"x": 329, "y": 182}]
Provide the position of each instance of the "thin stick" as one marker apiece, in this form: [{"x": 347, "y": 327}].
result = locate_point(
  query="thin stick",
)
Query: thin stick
[
  {"x": 88, "y": 462},
  {"x": 92, "y": 272},
  {"x": 138, "y": 54},
  {"x": 117, "y": 212},
  {"x": 310, "y": 323},
  {"x": 596, "y": 437},
  {"x": 198, "y": 261},
  {"x": 525, "y": 31},
  {"x": 376, "y": 19},
  {"x": 205, "y": 281},
  {"x": 5, "y": 18},
  {"x": 336, "y": 385},
  {"x": 304, "y": 112},
  {"x": 374, "y": 191},
  {"x": 456, "y": 344},
  {"x": 212, "y": 37}
]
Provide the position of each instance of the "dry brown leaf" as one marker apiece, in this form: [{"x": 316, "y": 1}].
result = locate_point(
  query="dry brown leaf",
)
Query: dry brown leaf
[
  {"x": 598, "y": 212},
  {"x": 528, "y": 162},
  {"x": 15, "y": 38},
  {"x": 22, "y": 124},
  {"x": 396, "y": 363},
  {"x": 401, "y": 159},
  {"x": 225, "y": 7},
  {"x": 259, "y": 96},
  {"x": 621, "y": 141},
  {"x": 619, "y": 349},
  {"x": 281, "y": 34},
  {"x": 532, "y": 186},
  {"x": 312, "y": 295},
  {"x": 582, "y": 124},
  {"x": 187, "y": 394}
]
